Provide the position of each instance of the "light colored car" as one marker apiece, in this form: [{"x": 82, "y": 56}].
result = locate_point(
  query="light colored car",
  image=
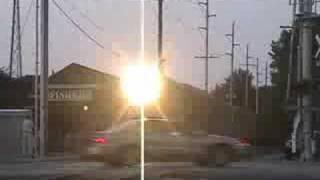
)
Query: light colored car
[{"x": 120, "y": 145}]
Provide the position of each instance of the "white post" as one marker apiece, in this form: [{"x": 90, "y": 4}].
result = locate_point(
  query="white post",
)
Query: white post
[
  {"x": 294, "y": 9},
  {"x": 307, "y": 77}
]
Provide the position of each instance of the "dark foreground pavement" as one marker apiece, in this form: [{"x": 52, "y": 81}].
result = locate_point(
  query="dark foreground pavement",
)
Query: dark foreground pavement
[{"x": 77, "y": 170}]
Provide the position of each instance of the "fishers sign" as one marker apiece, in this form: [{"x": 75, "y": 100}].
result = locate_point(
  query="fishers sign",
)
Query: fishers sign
[{"x": 71, "y": 92}]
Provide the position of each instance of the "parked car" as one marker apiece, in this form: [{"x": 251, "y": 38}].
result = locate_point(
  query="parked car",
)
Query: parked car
[{"x": 120, "y": 145}]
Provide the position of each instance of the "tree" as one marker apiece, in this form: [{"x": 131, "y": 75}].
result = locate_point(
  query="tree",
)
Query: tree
[
  {"x": 280, "y": 51},
  {"x": 4, "y": 76},
  {"x": 221, "y": 91},
  {"x": 243, "y": 122}
]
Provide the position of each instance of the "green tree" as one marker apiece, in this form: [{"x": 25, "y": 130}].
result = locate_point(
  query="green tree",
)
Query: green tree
[
  {"x": 4, "y": 76},
  {"x": 243, "y": 123},
  {"x": 221, "y": 91},
  {"x": 280, "y": 51}
]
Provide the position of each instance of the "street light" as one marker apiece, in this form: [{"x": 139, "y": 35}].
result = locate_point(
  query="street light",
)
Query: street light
[{"x": 141, "y": 84}]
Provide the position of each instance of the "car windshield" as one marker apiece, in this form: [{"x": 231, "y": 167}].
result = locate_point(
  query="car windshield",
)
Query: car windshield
[
  {"x": 227, "y": 89},
  {"x": 157, "y": 126},
  {"x": 151, "y": 126}
]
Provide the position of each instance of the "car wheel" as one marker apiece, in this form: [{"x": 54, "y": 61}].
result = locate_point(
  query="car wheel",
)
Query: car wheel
[
  {"x": 126, "y": 156},
  {"x": 114, "y": 161},
  {"x": 83, "y": 157},
  {"x": 201, "y": 161},
  {"x": 131, "y": 156},
  {"x": 220, "y": 156}
]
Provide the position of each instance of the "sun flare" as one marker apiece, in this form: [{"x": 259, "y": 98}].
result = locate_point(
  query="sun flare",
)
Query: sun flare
[{"x": 141, "y": 84}]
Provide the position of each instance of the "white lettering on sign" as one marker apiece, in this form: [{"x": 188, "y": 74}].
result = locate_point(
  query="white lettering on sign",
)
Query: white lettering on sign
[{"x": 70, "y": 93}]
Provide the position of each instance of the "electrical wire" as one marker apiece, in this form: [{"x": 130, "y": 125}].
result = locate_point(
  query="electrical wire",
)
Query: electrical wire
[
  {"x": 27, "y": 17},
  {"x": 85, "y": 16},
  {"x": 77, "y": 25}
]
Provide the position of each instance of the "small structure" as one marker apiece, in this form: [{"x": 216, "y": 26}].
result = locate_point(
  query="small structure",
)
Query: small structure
[{"x": 16, "y": 137}]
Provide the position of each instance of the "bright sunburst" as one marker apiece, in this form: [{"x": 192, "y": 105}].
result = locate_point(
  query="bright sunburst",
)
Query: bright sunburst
[{"x": 141, "y": 84}]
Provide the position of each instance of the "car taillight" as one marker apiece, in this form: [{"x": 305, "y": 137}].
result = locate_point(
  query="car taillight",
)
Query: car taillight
[
  {"x": 244, "y": 141},
  {"x": 100, "y": 140}
]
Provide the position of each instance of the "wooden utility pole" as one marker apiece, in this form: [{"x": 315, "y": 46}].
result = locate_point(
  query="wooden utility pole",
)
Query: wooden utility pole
[
  {"x": 206, "y": 28},
  {"x": 160, "y": 33},
  {"x": 36, "y": 85},
  {"x": 257, "y": 88},
  {"x": 12, "y": 37},
  {"x": 15, "y": 46},
  {"x": 207, "y": 48},
  {"x": 247, "y": 76},
  {"x": 266, "y": 75},
  {"x": 19, "y": 61},
  {"x": 44, "y": 50},
  {"x": 233, "y": 45}
]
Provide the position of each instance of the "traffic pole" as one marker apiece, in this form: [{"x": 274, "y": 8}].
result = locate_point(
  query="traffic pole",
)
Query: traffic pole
[{"x": 307, "y": 77}]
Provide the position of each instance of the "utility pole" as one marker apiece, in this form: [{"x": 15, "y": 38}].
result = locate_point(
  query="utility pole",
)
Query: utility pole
[
  {"x": 207, "y": 48},
  {"x": 44, "y": 76},
  {"x": 257, "y": 83},
  {"x": 295, "y": 28},
  {"x": 36, "y": 85},
  {"x": 307, "y": 77},
  {"x": 19, "y": 73},
  {"x": 257, "y": 88},
  {"x": 247, "y": 76},
  {"x": 15, "y": 47},
  {"x": 293, "y": 34},
  {"x": 266, "y": 75},
  {"x": 207, "y": 29},
  {"x": 233, "y": 45},
  {"x": 160, "y": 33},
  {"x": 12, "y": 37}
]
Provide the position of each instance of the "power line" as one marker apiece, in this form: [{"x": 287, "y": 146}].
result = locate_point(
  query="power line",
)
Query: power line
[
  {"x": 85, "y": 16},
  {"x": 27, "y": 17},
  {"x": 77, "y": 25}
]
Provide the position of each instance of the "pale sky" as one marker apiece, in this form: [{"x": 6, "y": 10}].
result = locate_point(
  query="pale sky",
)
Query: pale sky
[{"x": 118, "y": 21}]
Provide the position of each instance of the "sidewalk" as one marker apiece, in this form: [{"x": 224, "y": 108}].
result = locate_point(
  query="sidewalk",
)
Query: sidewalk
[{"x": 279, "y": 158}]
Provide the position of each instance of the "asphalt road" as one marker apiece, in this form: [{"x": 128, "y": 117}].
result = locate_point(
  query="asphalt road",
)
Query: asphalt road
[{"x": 76, "y": 170}]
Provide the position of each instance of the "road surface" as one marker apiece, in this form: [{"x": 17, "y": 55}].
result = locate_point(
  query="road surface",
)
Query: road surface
[{"x": 77, "y": 170}]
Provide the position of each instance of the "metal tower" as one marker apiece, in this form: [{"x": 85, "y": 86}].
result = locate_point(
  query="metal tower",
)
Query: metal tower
[{"x": 15, "y": 66}]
